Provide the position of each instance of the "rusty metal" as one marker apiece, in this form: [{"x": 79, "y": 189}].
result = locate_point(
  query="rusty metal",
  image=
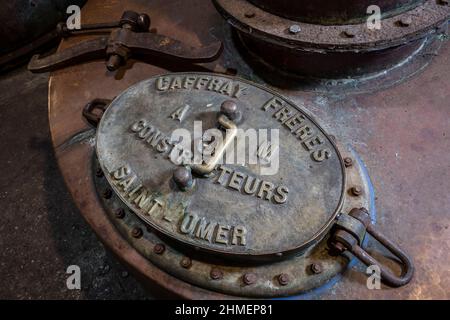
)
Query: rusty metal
[
  {"x": 336, "y": 51},
  {"x": 159, "y": 248},
  {"x": 93, "y": 111},
  {"x": 130, "y": 39},
  {"x": 136, "y": 232},
  {"x": 352, "y": 243},
  {"x": 348, "y": 162},
  {"x": 186, "y": 262},
  {"x": 216, "y": 274},
  {"x": 334, "y": 12},
  {"x": 316, "y": 268},
  {"x": 369, "y": 120},
  {"x": 249, "y": 278},
  {"x": 356, "y": 191},
  {"x": 120, "y": 213},
  {"x": 107, "y": 193},
  {"x": 283, "y": 279}
]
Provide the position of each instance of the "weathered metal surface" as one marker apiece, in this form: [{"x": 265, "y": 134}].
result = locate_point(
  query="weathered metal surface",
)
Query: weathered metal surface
[
  {"x": 291, "y": 207},
  {"x": 284, "y": 278},
  {"x": 132, "y": 38},
  {"x": 400, "y": 132},
  {"x": 334, "y": 12},
  {"x": 334, "y": 51}
]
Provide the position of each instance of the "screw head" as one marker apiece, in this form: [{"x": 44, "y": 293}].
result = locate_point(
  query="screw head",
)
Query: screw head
[
  {"x": 316, "y": 268},
  {"x": 120, "y": 213},
  {"x": 137, "y": 232},
  {"x": 294, "y": 29},
  {"x": 230, "y": 109},
  {"x": 159, "y": 248},
  {"x": 348, "y": 162},
  {"x": 216, "y": 274},
  {"x": 183, "y": 178},
  {"x": 186, "y": 262},
  {"x": 107, "y": 193},
  {"x": 249, "y": 278},
  {"x": 283, "y": 279},
  {"x": 356, "y": 191},
  {"x": 405, "y": 21}
]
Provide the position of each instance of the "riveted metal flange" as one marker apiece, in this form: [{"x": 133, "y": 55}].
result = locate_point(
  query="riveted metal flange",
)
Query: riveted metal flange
[
  {"x": 242, "y": 210},
  {"x": 334, "y": 51},
  {"x": 288, "y": 277},
  {"x": 334, "y": 12}
]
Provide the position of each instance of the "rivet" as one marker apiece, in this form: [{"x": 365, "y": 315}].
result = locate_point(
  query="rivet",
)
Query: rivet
[
  {"x": 186, "y": 262},
  {"x": 216, "y": 274},
  {"x": 249, "y": 14},
  {"x": 249, "y": 278},
  {"x": 136, "y": 232},
  {"x": 99, "y": 173},
  {"x": 294, "y": 29},
  {"x": 120, "y": 213},
  {"x": 107, "y": 193},
  {"x": 316, "y": 268},
  {"x": 159, "y": 248},
  {"x": 348, "y": 162},
  {"x": 405, "y": 21},
  {"x": 356, "y": 191},
  {"x": 283, "y": 279},
  {"x": 349, "y": 33}
]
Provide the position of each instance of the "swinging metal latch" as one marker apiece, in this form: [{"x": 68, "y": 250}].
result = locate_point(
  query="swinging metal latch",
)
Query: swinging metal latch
[{"x": 350, "y": 231}]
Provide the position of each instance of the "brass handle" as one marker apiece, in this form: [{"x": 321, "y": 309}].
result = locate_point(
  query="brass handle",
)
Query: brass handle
[{"x": 206, "y": 168}]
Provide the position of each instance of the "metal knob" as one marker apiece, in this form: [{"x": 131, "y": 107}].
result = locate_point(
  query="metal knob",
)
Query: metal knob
[{"x": 183, "y": 178}]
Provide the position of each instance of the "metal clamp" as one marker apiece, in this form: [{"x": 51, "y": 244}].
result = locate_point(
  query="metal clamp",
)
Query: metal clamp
[
  {"x": 349, "y": 236},
  {"x": 129, "y": 37},
  {"x": 88, "y": 110}
]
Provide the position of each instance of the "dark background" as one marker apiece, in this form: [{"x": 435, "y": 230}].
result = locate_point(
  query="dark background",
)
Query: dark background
[{"x": 37, "y": 241}]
